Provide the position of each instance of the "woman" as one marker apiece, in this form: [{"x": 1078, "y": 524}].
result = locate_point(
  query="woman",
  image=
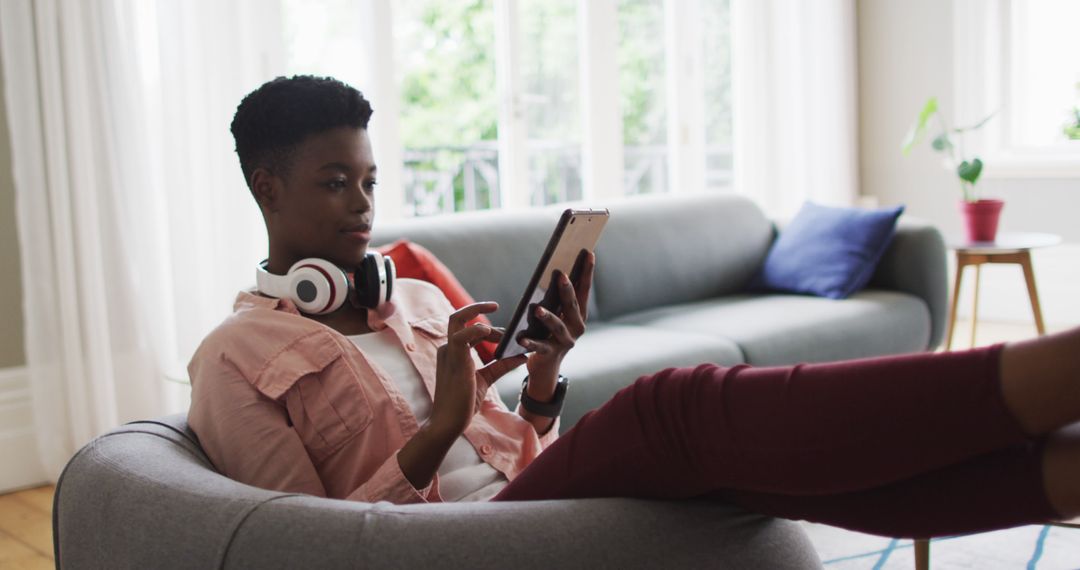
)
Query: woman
[{"x": 365, "y": 403}]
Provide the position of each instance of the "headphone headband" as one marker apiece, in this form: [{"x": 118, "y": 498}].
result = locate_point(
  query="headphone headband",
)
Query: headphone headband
[{"x": 318, "y": 287}]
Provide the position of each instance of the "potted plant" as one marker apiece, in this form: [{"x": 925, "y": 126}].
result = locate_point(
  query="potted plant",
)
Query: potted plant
[{"x": 981, "y": 215}]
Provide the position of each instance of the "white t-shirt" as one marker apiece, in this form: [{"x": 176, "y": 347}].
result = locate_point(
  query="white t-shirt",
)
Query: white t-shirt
[{"x": 463, "y": 476}]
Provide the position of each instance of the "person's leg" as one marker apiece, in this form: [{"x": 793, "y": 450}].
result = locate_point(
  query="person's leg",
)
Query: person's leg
[
  {"x": 802, "y": 430},
  {"x": 995, "y": 490}
]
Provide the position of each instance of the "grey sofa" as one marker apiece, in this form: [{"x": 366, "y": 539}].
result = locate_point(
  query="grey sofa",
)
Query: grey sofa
[
  {"x": 668, "y": 291},
  {"x": 670, "y": 284}
]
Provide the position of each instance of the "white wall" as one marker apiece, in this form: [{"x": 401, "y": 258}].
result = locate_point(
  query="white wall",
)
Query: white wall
[
  {"x": 12, "y": 352},
  {"x": 906, "y": 56}
]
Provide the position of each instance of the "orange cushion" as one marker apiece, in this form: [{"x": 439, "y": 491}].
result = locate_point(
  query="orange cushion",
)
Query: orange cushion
[{"x": 416, "y": 262}]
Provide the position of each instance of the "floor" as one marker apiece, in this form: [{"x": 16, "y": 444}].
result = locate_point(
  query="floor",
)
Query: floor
[
  {"x": 26, "y": 516},
  {"x": 991, "y": 332},
  {"x": 1034, "y": 547},
  {"x": 26, "y": 529}
]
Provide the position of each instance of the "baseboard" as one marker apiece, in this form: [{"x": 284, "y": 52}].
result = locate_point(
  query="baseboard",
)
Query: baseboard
[{"x": 21, "y": 467}]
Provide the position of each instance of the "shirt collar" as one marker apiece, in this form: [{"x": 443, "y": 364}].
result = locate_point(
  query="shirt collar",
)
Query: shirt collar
[{"x": 251, "y": 299}]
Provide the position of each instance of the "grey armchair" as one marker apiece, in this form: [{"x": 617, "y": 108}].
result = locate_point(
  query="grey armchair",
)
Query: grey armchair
[{"x": 145, "y": 496}]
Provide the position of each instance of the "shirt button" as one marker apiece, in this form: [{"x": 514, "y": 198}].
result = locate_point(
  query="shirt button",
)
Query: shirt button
[
  {"x": 485, "y": 449},
  {"x": 410, "y": 347}
]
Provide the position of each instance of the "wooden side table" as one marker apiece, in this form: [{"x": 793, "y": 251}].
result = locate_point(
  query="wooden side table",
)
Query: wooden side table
[{"x": 1008, "y": 248}]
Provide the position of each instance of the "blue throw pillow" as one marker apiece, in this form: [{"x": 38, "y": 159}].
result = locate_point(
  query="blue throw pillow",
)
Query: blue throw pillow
[{"x": 825, "y": 251}]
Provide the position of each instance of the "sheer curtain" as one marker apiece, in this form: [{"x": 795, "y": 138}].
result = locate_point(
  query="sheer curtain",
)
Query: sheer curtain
[
  {"x": 794, "y": 101},
  {"x": 134, "y": 223}
]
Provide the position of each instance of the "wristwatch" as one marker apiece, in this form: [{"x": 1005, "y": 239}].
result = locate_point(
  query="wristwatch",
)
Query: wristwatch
[{"x": 546, "y": 409}]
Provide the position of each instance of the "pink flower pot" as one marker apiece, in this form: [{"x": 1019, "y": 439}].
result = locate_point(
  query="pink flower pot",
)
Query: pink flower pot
[{"x": 981, "y": 219}]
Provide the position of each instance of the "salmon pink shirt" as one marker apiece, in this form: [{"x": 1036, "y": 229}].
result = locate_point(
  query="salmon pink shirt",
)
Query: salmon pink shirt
[{"x": 283, "y": 402}]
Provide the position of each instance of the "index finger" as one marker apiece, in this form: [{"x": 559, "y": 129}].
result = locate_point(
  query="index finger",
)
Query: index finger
[{"x": 467, "y": 313}]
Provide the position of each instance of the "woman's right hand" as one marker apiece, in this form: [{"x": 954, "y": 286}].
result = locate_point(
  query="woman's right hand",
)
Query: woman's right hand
[
  {"x": 459, "y": 389},
  {"x": 459, "y": 386}
]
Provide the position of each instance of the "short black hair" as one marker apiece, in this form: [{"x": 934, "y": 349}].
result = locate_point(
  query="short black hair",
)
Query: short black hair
[{"x": 272, "y": 120}]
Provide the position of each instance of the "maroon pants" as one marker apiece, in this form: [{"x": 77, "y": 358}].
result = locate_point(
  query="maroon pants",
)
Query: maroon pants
[{"x": 908, "y": 446}]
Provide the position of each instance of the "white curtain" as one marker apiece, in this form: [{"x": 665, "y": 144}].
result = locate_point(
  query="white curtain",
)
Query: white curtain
[
  {"x": 794, "y": 81},
  {"x": 134, "y": 223}
]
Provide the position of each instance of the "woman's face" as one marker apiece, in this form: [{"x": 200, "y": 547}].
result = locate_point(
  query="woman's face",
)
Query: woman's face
[{"x": 324, "y": 205}]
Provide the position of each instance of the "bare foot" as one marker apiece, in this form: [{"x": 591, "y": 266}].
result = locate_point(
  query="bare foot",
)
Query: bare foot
[
  {"x": 1040, "y": 381},
  {"x": 1061, "y": 471}
]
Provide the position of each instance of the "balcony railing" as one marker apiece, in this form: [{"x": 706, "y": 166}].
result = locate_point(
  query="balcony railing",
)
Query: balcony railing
[
  {"x": 451, "y": 179},
  {"x": 461, "y": 178}
]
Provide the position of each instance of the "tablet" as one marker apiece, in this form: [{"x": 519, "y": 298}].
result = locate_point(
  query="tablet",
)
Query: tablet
[{"x": 576, "y": 233}]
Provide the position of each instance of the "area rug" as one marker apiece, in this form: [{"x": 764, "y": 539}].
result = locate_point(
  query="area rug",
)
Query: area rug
[{"x": 1027, "y": 547}]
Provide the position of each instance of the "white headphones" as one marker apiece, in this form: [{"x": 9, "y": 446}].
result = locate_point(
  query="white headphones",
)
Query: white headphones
[{"x": 319, "y": 287}]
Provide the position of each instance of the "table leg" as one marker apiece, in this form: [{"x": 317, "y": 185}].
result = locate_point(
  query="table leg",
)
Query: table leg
[
  {"x": 951, "y": 326},
  {"x": 1029, "y": 276},
  {"x": 922, "y": 554},
  {"x": 975, "y": 305}
]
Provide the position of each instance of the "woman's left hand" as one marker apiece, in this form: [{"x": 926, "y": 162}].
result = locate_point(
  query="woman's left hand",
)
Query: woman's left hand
[{"x": 565, "y": 328}]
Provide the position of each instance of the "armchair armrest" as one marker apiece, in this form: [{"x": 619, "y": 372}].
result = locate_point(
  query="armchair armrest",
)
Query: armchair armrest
[
  {"x": 541, "y": 535},
  {"x": 915, "y": 263},
  {"x": 145, "y": 496}
]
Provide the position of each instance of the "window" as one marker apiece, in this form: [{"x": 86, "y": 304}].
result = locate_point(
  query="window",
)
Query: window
[
  {"x": 445, "y": 62},
  {"x": 516, "y": 103},
  {"x": 1045, "y": 78},
  {"x": 1017, "y": 59},
  {"x": 642, "y": 72},
  {"x": 716, "y": 18},
  {"x": 675, "y": 85},
  {"x": 549, "y": 95}
]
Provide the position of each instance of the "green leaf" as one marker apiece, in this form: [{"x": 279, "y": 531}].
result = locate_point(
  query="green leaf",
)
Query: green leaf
[
  {"x": 915, "y": 134},
  {"x": 941, "y": 142},
  {"x": 970, "y": 171},
  {"x": 928, "y": 111}
]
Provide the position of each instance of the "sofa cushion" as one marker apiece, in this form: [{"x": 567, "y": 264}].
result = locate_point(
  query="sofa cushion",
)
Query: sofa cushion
[
  {"x": 825, "y": 251},
  {"x": 663, "y": 250},
  {"x": 787, "y": 329},
  {"x": 609, "y": 357}
]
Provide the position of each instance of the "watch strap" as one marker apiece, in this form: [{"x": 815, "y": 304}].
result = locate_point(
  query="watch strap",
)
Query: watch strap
[{"x": 546, "y": 409}]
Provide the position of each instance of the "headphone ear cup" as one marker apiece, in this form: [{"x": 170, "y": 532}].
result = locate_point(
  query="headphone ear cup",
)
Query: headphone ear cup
[
  {"x": 317, "y": 286},
  {"x": 366, "y": 281}
]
